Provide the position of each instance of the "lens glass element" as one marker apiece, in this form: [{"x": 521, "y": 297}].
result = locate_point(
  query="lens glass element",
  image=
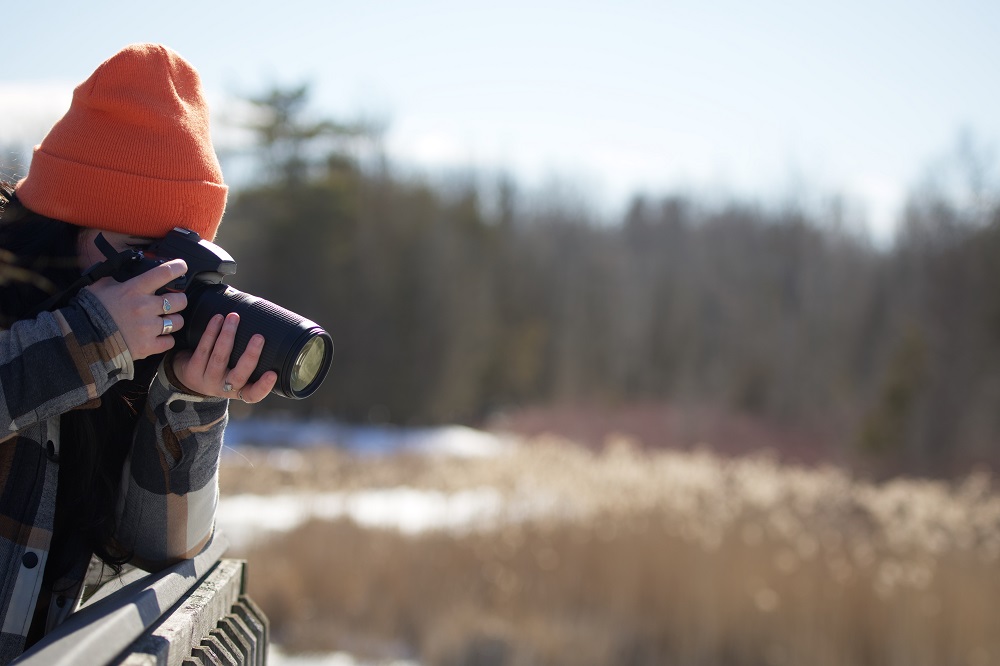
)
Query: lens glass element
[{"x": 308, "y": 364}]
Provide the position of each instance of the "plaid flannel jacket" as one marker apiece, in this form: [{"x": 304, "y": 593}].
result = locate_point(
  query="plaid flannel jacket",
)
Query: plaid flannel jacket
[{"x": 50, "y": 365}]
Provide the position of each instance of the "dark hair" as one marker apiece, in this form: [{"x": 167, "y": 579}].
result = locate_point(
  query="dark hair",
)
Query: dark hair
[
  {"x": 95, "y": 441},
  {"x": 37, "y": 254}
]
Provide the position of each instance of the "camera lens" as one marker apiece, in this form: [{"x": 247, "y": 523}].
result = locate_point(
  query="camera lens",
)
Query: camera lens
[
  {"x": 298, "y": 349},
  {"x": 308, "y": 364}
]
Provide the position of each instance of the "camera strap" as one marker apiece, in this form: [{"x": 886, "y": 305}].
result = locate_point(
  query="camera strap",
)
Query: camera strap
[{"x": 111, "y": 265}]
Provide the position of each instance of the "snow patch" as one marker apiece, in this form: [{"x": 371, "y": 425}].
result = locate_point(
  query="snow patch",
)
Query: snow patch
[
  {"x": 245, "y": 519},
  {"x": 276, "y": 657},
  {"x": 450, "y": 440}
]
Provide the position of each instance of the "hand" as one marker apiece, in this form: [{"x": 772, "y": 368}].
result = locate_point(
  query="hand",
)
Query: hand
[
  {"x": 206, "y": 369},
  {"x": 139, "y": 313}
]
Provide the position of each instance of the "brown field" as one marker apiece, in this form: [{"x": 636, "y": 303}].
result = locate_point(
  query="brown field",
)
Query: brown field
[{"x": 635, "y": 557}]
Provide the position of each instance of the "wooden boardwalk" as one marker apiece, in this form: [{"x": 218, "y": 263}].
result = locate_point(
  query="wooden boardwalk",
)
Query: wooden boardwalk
[{"x": 196, "y": 612}]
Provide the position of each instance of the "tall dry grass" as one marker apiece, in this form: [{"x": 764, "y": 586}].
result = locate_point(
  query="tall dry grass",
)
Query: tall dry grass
[{"x": 632, "y": 557}]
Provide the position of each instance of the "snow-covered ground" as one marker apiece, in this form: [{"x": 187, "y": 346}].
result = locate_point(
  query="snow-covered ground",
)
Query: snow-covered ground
[
  {"x": 365, "y": 440},
  {"x": 276, "y": 657},
  {"x": 247, "y": 518}
]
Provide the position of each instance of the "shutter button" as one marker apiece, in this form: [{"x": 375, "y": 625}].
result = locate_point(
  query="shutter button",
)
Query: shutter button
[{"x": 30, "y": 560}]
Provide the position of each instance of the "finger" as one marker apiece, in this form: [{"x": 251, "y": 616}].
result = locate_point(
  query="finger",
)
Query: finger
[
  {"x": 258, "y": 390},
  {"x": 163, "y": 343},
  {"x": 247, "y": 362},
  {"x": 170, "y": 303},
  {"x": 176, "y": 324},
  {"x": 159, "y": 276},
  {"x": 155, "y": 345},
  {"x": 202, "y": 352},
  {"x": 218, "y": 362}
]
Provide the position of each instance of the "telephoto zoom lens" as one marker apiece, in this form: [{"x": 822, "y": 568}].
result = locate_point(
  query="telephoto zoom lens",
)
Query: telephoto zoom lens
[{"x": 298, "y": 349}]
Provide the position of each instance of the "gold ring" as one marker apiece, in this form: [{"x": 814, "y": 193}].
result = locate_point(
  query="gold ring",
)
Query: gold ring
[
  {"x": 166, "y": 305},
  {"x": 239, "y": 394}
]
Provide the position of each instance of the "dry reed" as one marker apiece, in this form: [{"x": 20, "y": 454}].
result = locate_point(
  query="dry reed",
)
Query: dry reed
[{"x": 639, "y": 557}]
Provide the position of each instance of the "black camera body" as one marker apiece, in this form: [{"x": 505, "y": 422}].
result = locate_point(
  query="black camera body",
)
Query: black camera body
[
  {"x": 207, "y": 262},
  {"x": 298, "y": 349}
]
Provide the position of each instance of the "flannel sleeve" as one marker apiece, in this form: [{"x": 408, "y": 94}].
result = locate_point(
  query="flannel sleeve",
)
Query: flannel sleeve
[
  {"x": 170, "y": 486},
  {"x": 58, "y": 361}
]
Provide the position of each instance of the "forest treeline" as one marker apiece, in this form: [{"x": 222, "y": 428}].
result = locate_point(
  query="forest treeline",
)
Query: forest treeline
[{"x": 450, "y": 300}]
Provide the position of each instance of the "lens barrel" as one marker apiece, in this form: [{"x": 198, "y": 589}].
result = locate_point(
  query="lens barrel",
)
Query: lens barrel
[{"x": 298, "y": 349}]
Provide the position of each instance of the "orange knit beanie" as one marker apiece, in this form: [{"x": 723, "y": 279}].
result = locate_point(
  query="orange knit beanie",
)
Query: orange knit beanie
[{"x": 133, "y": 153}]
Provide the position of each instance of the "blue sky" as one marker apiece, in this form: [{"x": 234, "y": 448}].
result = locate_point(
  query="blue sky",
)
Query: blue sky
[{"x": 764, "y": 100}]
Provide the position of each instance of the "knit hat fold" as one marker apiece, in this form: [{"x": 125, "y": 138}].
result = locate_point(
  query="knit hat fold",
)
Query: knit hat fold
[{"x": 133, "y": 153}]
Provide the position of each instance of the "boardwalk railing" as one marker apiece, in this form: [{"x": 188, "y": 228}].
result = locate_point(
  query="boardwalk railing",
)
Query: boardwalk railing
[{"x": 195, "y": 612}]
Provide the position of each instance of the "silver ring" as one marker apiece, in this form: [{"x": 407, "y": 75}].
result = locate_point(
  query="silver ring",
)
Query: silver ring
[
  {"x": 227, "y": 387},
  {"x": 166, "y": 306},
  {"x": 239, "y": 394},
  {"x": 167, "y": 326}
]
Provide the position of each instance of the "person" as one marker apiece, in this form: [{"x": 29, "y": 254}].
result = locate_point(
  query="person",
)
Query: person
[{"x": 111, "y": 435}]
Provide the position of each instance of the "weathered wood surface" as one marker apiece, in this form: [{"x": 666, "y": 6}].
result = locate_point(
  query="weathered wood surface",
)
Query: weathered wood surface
[{"x": 195, "y": 612}]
